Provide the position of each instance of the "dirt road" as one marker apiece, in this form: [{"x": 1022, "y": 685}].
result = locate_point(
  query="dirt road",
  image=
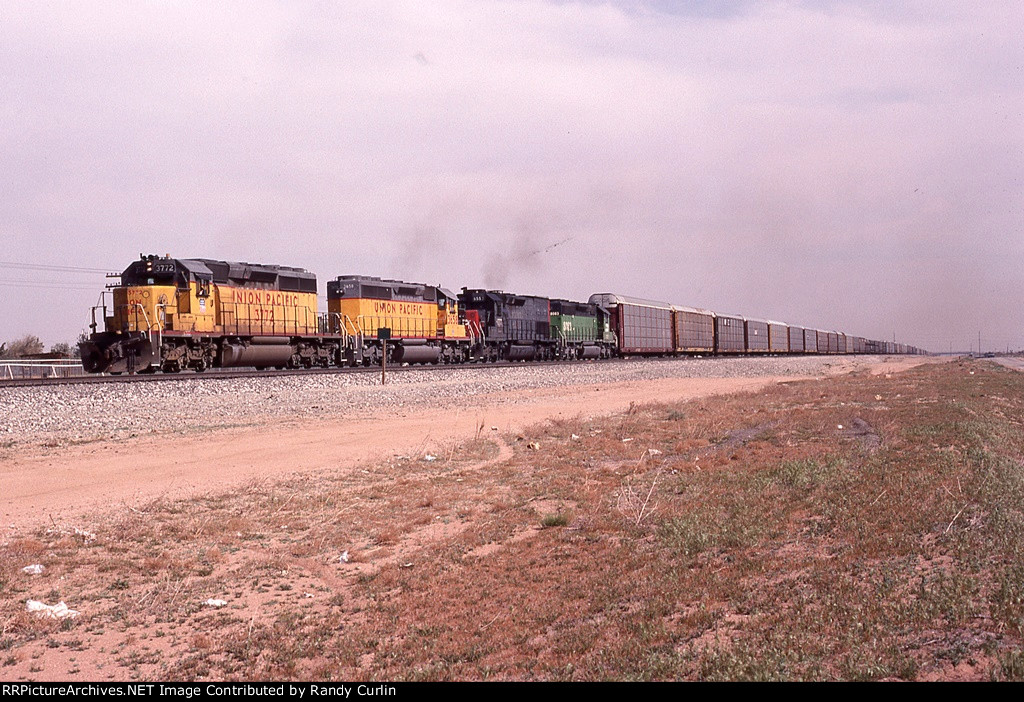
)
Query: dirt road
[{"x": 1013, "y": 362}]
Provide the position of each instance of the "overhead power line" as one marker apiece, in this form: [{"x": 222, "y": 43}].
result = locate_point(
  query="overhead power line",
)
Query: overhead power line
[
  {"x": 40, "y": 284},
  {"x": 50, "y": 267}
]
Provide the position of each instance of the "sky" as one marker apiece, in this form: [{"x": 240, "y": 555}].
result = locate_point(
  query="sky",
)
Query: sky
[{"x": 842, "y": 165}]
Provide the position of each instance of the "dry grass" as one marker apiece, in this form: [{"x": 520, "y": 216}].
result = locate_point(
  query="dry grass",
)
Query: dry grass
[{"x": 758, "y": 540}]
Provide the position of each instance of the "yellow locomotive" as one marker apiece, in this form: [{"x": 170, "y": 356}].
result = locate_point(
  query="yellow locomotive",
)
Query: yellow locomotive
[
  {"x": 421, "y": 320},
  {"x": 170, "y": 314}
]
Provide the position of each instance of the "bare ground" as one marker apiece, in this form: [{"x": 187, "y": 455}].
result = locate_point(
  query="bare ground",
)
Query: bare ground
[
  {"x": 865, "y": 526},
  {"x": 52, "y": 480}
]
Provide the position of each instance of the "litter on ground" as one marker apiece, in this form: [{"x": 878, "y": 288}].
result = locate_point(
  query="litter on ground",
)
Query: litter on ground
[{"x": 57, "y": 611}]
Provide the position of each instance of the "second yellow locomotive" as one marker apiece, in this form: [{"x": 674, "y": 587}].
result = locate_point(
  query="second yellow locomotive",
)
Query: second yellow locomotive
[{"x": 422, "y": 319}]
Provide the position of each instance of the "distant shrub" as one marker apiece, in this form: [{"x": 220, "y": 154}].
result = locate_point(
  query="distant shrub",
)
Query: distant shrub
[{"x": 554, "y": 520}]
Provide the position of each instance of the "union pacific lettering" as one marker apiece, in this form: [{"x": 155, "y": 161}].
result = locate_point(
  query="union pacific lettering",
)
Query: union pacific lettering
[
  {"x": 405, "y": 309},
  {"x": 135, "y": 297},
  {"x": 266, "y": 298}
]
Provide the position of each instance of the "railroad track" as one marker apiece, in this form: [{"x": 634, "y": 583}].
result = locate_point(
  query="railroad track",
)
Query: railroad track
[{"x": 215, "y": 374}]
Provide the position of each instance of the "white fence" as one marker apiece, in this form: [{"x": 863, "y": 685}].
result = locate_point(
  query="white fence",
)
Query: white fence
[{"x": 22, "y": 368}]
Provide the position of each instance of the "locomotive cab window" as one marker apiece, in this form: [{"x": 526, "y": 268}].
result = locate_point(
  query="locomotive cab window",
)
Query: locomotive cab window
[{"x": 202, "y": 288}]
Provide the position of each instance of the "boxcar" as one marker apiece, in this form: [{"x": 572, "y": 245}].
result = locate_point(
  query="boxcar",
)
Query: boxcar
[
  {"x": 833, "y": 342},
  {"x": 822, "y": 343},
  {"x": 641, "y": 326},
  {"x": 796, "y": 339},
  {"x": 730, "y": 335},
  {"x": 778, "y": 337},
  {"x": 694, "y": 330},
  {"x": 757, "y": 335},
  {"x": 810, "y": 341}
]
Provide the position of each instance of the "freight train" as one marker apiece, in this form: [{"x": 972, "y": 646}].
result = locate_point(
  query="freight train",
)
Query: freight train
[{"x": 170, "y": 315}]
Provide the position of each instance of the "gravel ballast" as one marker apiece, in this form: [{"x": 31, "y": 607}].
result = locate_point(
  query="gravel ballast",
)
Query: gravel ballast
[{"x": 64, "y": 413}]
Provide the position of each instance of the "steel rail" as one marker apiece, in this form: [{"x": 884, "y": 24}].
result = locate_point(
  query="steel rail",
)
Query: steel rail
[{"x": 230, "y": 374}]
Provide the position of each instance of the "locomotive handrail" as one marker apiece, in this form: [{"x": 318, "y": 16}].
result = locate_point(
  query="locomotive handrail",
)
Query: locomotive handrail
[
  {"x": 357, "y": 331},
  {"x": 580, "y": 336},
  {"x": 334, "y": 325},
  {"x": 254, "y": 325},
  {"x": 162, "y": 321},
  {"x": 407, "y": 325},
  {"x": 135, "y": 306},
  {"x": 477, "y": 329},
  {"x": 101, "y": 302},
  {"x": 576, "y": 335}
]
